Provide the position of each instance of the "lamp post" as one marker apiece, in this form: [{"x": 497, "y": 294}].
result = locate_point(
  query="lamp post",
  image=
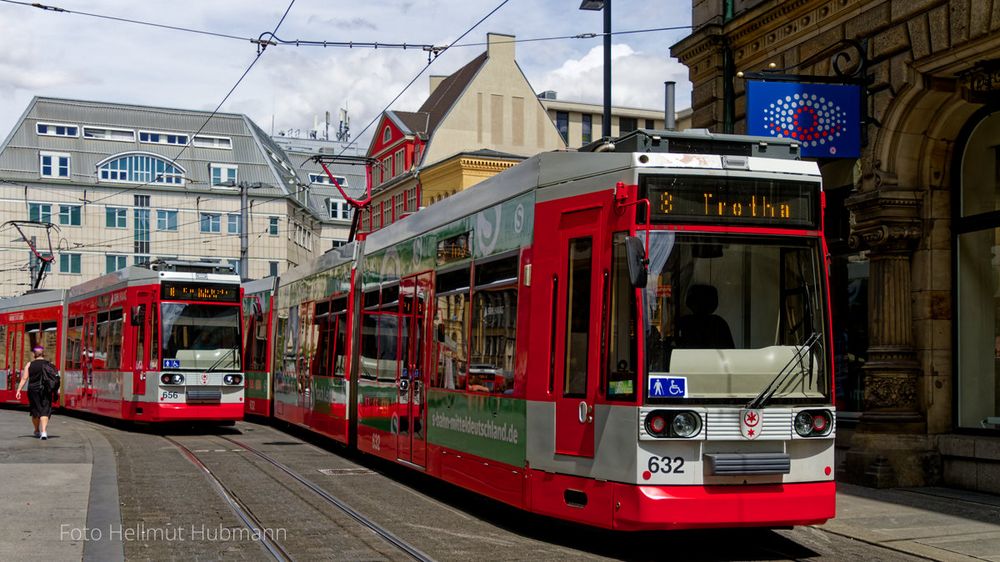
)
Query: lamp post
[{"x": 605, "y": 5}]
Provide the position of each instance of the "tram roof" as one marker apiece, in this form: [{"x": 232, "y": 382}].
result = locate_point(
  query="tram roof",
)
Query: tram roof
[
  {"x": 259, "y": 285},
  {"x": 139, "y": 275},
  {"x": 550, "y": 174},
  {"x": 332, "y": 258},
  {"x": 34, "y": 299}
]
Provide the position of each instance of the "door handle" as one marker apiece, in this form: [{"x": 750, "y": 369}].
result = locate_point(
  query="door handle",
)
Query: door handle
[{"x": 585, "y": 412}]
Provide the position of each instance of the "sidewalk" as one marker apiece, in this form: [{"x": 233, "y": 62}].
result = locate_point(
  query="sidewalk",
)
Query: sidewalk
[
  {"x": 58, "y": 495},
  {"x": 934, "y": 523}
]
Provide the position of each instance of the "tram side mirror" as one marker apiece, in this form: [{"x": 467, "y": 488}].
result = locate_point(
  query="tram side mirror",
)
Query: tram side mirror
[
  {"x": 638, "y": 265},
  {"x": 138, "y": 315}
]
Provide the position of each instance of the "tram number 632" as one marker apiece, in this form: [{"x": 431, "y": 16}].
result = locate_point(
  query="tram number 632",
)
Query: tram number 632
[{"x": 666, "y": 465}]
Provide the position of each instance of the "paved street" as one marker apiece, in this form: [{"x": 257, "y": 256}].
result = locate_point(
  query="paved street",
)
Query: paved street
[{"x": 164, "y": 506}]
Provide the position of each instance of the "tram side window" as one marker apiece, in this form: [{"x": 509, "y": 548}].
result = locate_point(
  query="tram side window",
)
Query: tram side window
[
  {"x": 74, "y": 339},
  {"x": 388, "y": 335},
  {"x": 3, "y": 346},
  {"x": 451, "y": 323},
  {"x": 324, "y": 340},
  {"x": 308, "y": 337},
  {"x": 28, "y": 339},
  {"x": 140, "y": 339},
  {"x": 109, "y": 340},
  {"x": 622, "y": 352},
  {"x": 338, "y": 310},
  {"x": 258, "y": 345},
  {"x": 494, "y": 327},
  {"x": 154, "y": 337},
  {"x": 578, "y": 317},
  {"x": 291, "y": 341}
]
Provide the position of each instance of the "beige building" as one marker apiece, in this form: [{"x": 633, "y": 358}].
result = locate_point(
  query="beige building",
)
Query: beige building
[
  {"x": 476, "y": 122},
  {"x": 913, "y": 225},
  {"x": 116, "y": 184},
  {"x": 581, "y": 123}
]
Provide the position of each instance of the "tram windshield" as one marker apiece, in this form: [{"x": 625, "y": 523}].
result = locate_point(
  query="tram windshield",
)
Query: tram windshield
[
  {"x": 201, "y": 336},
  {"x": 735, "y": 315}
]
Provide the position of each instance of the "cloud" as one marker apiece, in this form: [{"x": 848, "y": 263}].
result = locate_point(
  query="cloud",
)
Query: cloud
[{"x": 636, "y": 78}]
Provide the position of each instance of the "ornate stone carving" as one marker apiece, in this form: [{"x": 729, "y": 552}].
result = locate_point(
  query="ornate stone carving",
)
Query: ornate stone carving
[
  {"x": 885, "y": 221},
  {"x": 890, "y": 392}
]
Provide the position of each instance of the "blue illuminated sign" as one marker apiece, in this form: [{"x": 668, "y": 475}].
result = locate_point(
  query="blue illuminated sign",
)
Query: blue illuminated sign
[
  {"x": 171, "y": 363},
  {"x": 825, "y": 119}
]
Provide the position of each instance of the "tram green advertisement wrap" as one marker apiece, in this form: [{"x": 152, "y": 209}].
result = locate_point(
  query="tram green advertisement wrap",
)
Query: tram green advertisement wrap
[
  {"x": 486, "y": 425},
  {"x": 498, "y": 229}
]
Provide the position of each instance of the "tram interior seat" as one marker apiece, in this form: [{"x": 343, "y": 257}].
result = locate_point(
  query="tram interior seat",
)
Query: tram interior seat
[
  {"x": 703, "y": 329},
  {"x": 743, "y": 372}
]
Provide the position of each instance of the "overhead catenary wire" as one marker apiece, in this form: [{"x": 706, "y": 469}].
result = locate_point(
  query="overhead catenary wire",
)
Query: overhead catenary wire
[{"x": 260, "y": 51}]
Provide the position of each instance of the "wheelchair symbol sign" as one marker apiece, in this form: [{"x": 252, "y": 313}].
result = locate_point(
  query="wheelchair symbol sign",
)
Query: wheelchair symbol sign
[{"x": 667, "y": 387}]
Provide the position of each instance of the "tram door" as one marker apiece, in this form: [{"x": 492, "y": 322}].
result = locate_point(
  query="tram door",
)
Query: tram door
[
  {"x": 577, "y": 342},
  {"x": 140, "y": 317},
  {"x": 414, "y": 298}
]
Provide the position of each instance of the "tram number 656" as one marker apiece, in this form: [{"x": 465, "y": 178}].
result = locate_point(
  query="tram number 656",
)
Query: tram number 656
[{"x": 666, "y": 465}]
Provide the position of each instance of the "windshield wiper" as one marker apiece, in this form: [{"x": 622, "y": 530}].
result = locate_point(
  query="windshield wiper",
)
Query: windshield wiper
[
  {"x": 218, "y": 361},
  {"x": 787, "y": 373}
]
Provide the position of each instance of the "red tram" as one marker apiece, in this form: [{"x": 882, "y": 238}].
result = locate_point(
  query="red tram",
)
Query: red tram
[
  {"x": 25, "y": 321},
  {"x": 153, "y": 343},
  {"x": 635, "y": 338}
]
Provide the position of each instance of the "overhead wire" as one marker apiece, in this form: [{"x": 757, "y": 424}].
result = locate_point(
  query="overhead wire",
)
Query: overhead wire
[{"x": 406, "y": 87}]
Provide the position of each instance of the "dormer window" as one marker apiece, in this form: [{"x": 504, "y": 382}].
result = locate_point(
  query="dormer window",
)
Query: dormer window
[{"x": 386, "y": 134}]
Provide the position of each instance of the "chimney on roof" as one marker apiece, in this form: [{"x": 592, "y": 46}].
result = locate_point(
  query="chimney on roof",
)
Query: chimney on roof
[
  {"x": 500, "y": 46},
  {"x": 436, "y": 80}
]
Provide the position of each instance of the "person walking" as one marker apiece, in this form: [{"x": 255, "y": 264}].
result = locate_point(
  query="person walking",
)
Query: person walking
[{"x": 39, "y": 401}]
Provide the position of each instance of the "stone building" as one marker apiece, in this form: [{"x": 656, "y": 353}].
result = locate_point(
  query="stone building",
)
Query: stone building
[
  {"x": 123, "y": 184},
  {"x": 913, "y": 224}
]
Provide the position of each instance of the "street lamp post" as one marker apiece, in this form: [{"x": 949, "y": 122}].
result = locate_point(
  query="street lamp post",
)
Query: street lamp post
[{"x": 604, "y": 5}]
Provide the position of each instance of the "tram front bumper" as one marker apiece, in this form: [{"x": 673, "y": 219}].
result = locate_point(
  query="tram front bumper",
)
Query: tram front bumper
[{"x": 640, "y": 508}]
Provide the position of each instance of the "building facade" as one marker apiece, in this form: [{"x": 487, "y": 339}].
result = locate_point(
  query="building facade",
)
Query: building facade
[
  {"x": 122, "y": 184},
  {"x": 476, "y": 122},
  {"x": 580, "y": 123},
  {"x": 913, "y": 224}
]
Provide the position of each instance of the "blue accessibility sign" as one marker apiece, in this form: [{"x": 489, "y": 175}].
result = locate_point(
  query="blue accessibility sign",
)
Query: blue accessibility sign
[
  {"x": 171, "y": 364},
  {"x": 666, "y": 386}
]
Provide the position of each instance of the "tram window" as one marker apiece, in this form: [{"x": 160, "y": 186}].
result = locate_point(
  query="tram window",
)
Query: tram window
[
  {"x": 622, "y": 352},
  {"x": 388, "y": 345},
  {"x": 451, "y": 321},
  {"x": 113, "y": 339},
  {"x": 3, "y": 346},
  {"x": 154, "y": 338},
  {"x": 577, "y": 317},
  {"x": 291, "y": 342},
  {"x": 140, "y": 338},
  {"x": 339, "y": 349},
  {"x": 494, "y": 324},
  {"x": 74, "y": 338},
  {"x": 369, "y": 344},
  {"x": 324, "y": 340},
  {"x": 28, "y": 340},
  {"x": 308, "y": 337},
  {"x": 371, "y": 299}
]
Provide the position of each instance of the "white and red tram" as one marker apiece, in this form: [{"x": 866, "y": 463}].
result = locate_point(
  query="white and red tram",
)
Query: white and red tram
[
  {"x": 634, "y": 339},
  {"x": 26, "y": 321},
  {"x": 155, "y": 344}
]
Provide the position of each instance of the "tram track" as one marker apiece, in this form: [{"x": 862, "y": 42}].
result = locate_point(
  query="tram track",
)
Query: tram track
[
  {"x": 379, "y": 530},
  {"x": 253, "y": 523}
]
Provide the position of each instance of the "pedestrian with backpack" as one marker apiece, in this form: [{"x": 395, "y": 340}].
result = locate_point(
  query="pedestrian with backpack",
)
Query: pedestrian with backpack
[{"x": 39, "y": 375}]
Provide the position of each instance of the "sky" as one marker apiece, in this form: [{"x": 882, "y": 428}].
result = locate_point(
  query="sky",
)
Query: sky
[{"x": 48, "y": 53}]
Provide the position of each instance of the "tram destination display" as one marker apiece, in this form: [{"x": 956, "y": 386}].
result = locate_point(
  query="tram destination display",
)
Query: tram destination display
[
  {"x": 188, "y": 291},
  {"x": 735, "y": 201}
]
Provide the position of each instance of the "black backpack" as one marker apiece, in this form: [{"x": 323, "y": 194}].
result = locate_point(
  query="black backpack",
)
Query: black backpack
[{"x": 50, "y": 378}]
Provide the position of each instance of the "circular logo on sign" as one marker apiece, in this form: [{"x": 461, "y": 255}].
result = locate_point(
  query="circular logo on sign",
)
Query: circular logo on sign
[
  {"x": 810, "y": 119},
  {"x": 751, "y": 418}
]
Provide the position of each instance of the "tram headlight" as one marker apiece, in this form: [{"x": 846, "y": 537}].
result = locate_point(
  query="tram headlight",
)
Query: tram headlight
[
  {"x": 677, "y": 424},
  {"x": 165, "y": 378},
  {"x": 176, "y": 378},
  {"x": 813, "y": 423},
  {"x": 233, "y": 379},
  {"x": 686, "y": 424}
]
